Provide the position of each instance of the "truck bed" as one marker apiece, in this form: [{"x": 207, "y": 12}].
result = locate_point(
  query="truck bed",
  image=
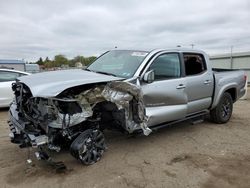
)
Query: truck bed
[
  {"x": 224, "y": 70},
  {"x": 225, "y": 79}
]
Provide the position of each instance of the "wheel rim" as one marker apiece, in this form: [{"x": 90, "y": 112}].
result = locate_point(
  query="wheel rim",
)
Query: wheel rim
[
  {"x": 92, "y": 147},
  {"x": 226, "y": 109}
]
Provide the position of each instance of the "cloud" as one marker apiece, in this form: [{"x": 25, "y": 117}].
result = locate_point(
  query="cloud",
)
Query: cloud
[{"x": 31, "y": 29}]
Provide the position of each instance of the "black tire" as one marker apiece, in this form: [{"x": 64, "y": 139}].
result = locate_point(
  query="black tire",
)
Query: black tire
[
  {"x": 223, "y": 111},
  {"x": 89, "y": 146}
]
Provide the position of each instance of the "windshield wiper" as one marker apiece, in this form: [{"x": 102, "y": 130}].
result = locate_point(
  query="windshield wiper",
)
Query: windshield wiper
[
  {"x": 107, "y": 73},
  {"x": 87, "y": 70},
  {"x": 101, "y": 72}
]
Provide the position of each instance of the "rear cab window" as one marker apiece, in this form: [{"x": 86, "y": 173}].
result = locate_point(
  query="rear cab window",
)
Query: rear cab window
[{"x": 194, "y": 64}]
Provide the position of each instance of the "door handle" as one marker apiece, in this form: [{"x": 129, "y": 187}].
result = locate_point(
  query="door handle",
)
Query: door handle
[
  {"x": 181, "y": 86},
  {"x": 207, "y": 82}
]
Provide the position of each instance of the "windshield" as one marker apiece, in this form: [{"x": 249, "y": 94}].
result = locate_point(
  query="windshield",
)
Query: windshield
[{"x": 120, "y": 63}]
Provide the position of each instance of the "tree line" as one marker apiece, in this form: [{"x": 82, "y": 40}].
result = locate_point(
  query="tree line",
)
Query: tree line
[{"x": 61, "y": 60}]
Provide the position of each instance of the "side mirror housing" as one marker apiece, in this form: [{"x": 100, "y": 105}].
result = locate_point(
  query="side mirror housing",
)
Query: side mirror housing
[{"x": 149, "y": 76}]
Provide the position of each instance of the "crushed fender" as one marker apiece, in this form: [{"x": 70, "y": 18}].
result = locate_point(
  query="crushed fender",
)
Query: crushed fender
[{"x": 128, "y": 96}]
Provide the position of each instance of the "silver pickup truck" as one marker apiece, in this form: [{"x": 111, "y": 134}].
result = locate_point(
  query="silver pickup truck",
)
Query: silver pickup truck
[{"x": 126, "y": 90}]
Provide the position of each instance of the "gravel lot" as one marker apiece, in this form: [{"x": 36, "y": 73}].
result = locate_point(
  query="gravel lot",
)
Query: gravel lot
[{"x": 185, "y": 155}]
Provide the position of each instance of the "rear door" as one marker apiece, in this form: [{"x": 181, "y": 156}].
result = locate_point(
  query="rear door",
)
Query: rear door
[
  {"x": 165, "y": 98},
  {"x": 199, "y": 82}
]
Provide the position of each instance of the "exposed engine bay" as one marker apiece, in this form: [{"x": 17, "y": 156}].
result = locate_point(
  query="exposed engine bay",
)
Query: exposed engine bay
[{"x": 77, "y": 116}]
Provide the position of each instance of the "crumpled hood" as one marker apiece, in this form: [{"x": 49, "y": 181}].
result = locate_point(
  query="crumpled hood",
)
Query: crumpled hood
[{"x": 50, "y": 84}]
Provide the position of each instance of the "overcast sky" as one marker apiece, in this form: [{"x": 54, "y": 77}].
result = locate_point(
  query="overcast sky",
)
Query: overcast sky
[{"x": 30, "y": 29}]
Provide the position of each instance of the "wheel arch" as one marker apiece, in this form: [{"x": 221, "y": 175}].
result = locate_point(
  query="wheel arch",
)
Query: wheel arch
[
  {"x": 229, "y": 88},
  {"x": 232, "y": 92},
  {"x": 110, "y": 115}
]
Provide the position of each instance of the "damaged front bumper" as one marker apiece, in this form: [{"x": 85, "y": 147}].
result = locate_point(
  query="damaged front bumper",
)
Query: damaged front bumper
[{"x": 19, "y": 133}]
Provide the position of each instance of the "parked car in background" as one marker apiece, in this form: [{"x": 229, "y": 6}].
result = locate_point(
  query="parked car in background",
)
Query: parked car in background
[{"x": 7, "y": 77}]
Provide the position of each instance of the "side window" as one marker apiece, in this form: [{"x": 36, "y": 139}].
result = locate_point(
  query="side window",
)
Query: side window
[
  {"x": 6, "y": 76},
  {"x": 166, "y": 66},
  {"x": 194, "y": 64}
]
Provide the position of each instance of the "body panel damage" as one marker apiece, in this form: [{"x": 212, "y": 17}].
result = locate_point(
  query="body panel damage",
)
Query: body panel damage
[
  {"x": 76, "y": 114},
  {"x": 54, "y": 117},
  {"x": 129, "y": 97},
  {"x": 126, "y": 96}
]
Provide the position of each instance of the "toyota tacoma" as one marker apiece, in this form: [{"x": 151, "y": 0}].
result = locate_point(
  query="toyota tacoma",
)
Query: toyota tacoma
[{"x": 126, "y": 90}]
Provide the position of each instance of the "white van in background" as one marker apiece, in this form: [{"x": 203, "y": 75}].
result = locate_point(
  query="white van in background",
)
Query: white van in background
[{"x": 32, "y": 68}]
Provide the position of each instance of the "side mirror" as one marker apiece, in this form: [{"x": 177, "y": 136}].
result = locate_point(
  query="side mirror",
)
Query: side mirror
[{"x": 149, "y": 76}]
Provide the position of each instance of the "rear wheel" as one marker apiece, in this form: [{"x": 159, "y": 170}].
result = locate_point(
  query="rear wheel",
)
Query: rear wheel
[
  {"x": 223, "y": 111},
  {"x": 89, "y": 146}
]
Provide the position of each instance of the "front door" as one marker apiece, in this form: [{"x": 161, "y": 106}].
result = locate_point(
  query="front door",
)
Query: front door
[{"x": 165, "y": 98}]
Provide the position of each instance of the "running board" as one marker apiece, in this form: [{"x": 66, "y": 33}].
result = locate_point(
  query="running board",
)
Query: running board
[{"x": 198, "y": 119}]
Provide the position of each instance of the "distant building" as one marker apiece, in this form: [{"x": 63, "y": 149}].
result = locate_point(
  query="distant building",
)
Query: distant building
[
  {"x": 32, "y": 67},
  {"x": 78, "y": 65},
  {"x": 12, "y": 64},
  {"x": 232, "y": 61}
]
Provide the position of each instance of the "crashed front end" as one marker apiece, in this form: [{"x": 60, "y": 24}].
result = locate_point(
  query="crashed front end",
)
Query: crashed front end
[{"x": 52, "y": 122}]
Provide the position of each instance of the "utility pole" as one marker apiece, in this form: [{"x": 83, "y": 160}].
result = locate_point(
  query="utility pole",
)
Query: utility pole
[
  {"x": 192, "y": 45},
  {"x": 231, "y": 56}
]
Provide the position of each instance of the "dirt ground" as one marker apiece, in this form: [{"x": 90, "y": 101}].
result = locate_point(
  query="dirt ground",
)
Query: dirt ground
[{"x": 201, "y": 155}]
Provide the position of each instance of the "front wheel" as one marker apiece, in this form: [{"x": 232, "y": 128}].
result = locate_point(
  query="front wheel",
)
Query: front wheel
[
  {"x": 89, "y": 146},
  {"x": 223, "y": 111}
]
